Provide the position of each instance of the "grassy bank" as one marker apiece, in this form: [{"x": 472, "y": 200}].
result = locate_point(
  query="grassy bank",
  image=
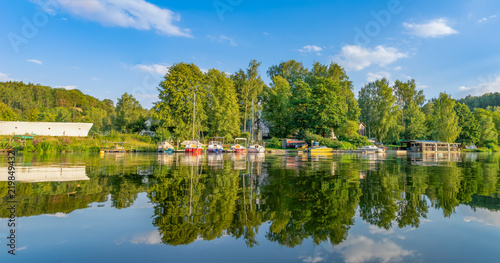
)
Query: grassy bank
[{"x": 79, "y": 144}]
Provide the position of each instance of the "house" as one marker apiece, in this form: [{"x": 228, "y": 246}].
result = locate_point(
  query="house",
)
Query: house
[
  {"x": 362, "y": 129},
  {"x": 76, "y": 129}
]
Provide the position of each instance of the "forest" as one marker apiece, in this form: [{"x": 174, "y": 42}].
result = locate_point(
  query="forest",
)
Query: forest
[{"x": 300, "y": 102}]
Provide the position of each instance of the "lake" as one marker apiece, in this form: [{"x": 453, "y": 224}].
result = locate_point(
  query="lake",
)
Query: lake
[{"x": 252, "y": 208}]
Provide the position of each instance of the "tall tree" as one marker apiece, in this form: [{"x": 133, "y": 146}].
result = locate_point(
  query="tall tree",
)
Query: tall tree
[
  {"x": 276, "y": 108},
  {"x": 471, "y": 132},
  {"x": 128, "y": 112},
  {"x": 249, "y": 87},
  {"x": 415, "y": 122},
  {"x": 290, "y": 70},
  {"x": 379, "y": 111},
  {"x": 222, "y": 110},
  {"x": 175, "y": 108},
  {"x": 444, "y": 121},
  {"x": 406, "y": 92}
]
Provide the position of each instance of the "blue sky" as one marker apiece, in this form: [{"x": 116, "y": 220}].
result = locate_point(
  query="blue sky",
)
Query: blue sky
[{"x": 108, "y": 47}]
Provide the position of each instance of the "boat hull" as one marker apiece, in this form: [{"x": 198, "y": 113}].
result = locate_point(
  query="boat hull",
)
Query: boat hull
[{"x": 193, "y": 150}]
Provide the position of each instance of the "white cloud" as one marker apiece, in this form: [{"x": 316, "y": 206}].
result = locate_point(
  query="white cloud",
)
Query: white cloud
[
  {"x": 160, "y": 69},
  {"x": 358, "y": 57},
  {"x": 95, "y": 79},
  {"x": 398, "y": 68},
  {"x": 435, "y": 28},
  {"x": 149, "y": 238},
  {"x": 378, "y": 230},
  {"x": 223, "y": 38},
  {"x": 485, "y": 86},
  {"x": 67, "y": 87},
  {"x": 311, "y": 48},
  {"x": 35, "y": 61},
  {"x": 311, "y": 259},
  {"x": 483, "y": 216},
  {"x": 137, "y": 14},
  {"x": 58, "y": 214},
  {"x": 265, "y": 33},
  {"x": 357, "y": 249},
  {"x": 4, "y": 77},
  {"x": 484, "y": 19},
  {"x": 371, "y": 77}
]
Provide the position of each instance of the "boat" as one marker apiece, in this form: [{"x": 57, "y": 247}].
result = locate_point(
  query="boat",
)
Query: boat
[
  {"x": 372, "y": 148},
  {"x": 215, "y": 145},
  {"x": 239, "y": 147},
  {"x": 320, "y": 149},
  {"x": 257, "y": 147},
  {"x": 193, "y": 146}
]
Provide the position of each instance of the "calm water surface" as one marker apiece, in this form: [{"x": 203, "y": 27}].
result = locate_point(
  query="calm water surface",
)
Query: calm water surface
[{"x": 253, "y": 208}]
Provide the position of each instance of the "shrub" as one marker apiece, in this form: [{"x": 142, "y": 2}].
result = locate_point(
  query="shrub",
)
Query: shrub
[{"x": 274, "y": 143}]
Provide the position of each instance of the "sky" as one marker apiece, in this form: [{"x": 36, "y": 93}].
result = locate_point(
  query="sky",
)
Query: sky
[{"x": 108, "y": 47}]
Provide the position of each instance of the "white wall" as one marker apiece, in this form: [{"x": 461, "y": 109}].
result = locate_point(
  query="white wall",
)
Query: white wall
[{"x": 45, "y": 128}]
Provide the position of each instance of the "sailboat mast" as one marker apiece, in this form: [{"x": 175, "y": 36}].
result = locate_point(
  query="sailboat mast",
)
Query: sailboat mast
[{"x": 194, "y": 112}]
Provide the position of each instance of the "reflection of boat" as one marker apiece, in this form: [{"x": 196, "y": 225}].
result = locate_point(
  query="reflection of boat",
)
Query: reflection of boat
[
  {"x": 257, "y": 147},
  {"x": 215, "y": 160},
  {"x": 320, "y": 149},
  {"x": 256, "y": 157},
  {"x": 34, "y": 174},
  {"x": 240, "y": 161},
  {"x": 215, "y": 145},
  {"x": 238, "y": 145}
]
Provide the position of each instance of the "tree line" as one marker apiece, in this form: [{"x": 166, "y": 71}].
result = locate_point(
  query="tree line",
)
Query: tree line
[{"x": 306, "y": 103}]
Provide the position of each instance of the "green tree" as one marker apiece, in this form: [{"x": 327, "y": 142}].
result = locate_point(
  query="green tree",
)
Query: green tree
[
  {"x": 223, "y": 113},
  {"x": 470, "y": 132},
  {"x": 415, "y": 122},
  {"x": 379, "y": 111},
  {"x": 6, "y": 113},
  {"x": 488, "y": 132},
  {"x": 290, "y": 70},
  {"x": 128, "y": 113},
  {"x": 405, "y": 93},
  {"x": 249, "y": 87},
  {"x": 175, "y": 108},
  {"x": 276, "y": 110},
  {"x": 444, "y": 121}
]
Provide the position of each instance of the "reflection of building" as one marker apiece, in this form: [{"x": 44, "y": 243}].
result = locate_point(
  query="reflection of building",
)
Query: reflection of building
[
  {"x": 35, "y": 174},
  {"x": 45, "y": 128}
]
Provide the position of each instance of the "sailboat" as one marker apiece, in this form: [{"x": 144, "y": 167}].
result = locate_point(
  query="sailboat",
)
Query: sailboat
[
  {"x": 255, "y": 147},
  {"x": 193, "y": 146}
]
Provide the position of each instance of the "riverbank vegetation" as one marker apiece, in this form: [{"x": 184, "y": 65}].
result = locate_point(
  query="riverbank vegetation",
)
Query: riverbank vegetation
[{"x": 316, "y": 103}]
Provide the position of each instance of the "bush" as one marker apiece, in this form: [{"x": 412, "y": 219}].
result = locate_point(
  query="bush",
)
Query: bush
[
  {"x": 493, "y": 147},
  {"x": 274, "y": 143}
]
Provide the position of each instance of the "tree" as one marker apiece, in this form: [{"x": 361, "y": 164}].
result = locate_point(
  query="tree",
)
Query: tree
[
  {"x": 470, "y": 131},
  {"x": 222, "y": 112},
  {"x": 249, "y": 87},
  {"x": 379, "y": 111},
  {"x": 128, "y": 113},
  {"x": 290, "y": 70},
  {"x": 276, "y": 110},
  {"x": 444, "y": 121},
  {"x": 327, "y": 110},
  {"x": 6, "y": 113},
  {"x": 405, "y": 93},
  {"x": 415, "y": 122},
  {"x": 175, "y": 108},
  {"x": 488, "y": 132}
]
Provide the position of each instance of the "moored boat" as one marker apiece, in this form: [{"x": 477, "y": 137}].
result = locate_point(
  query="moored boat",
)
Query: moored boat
[
  {"x": 257, "y": 147},
  {"x": 193, "y": 147},
  {"x": 320, "y": 149},
  {"x": 215, "y": 145},
  {"x": 239, "y": 145}
]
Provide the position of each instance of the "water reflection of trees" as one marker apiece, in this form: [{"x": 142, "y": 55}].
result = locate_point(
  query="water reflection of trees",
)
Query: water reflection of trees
[{"x": 196, "y": 197}]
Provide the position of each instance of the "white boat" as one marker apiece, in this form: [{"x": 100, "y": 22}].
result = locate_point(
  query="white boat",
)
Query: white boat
[
  {"x": 215, "y": 145},
  {"x": 256, "y": 148},
  {"x": 239, "y": 145},
  {"x": 372, "y": 148}
]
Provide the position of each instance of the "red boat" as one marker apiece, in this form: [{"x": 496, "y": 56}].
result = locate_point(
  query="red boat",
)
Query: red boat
[{"x": 193, "y": 147}]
